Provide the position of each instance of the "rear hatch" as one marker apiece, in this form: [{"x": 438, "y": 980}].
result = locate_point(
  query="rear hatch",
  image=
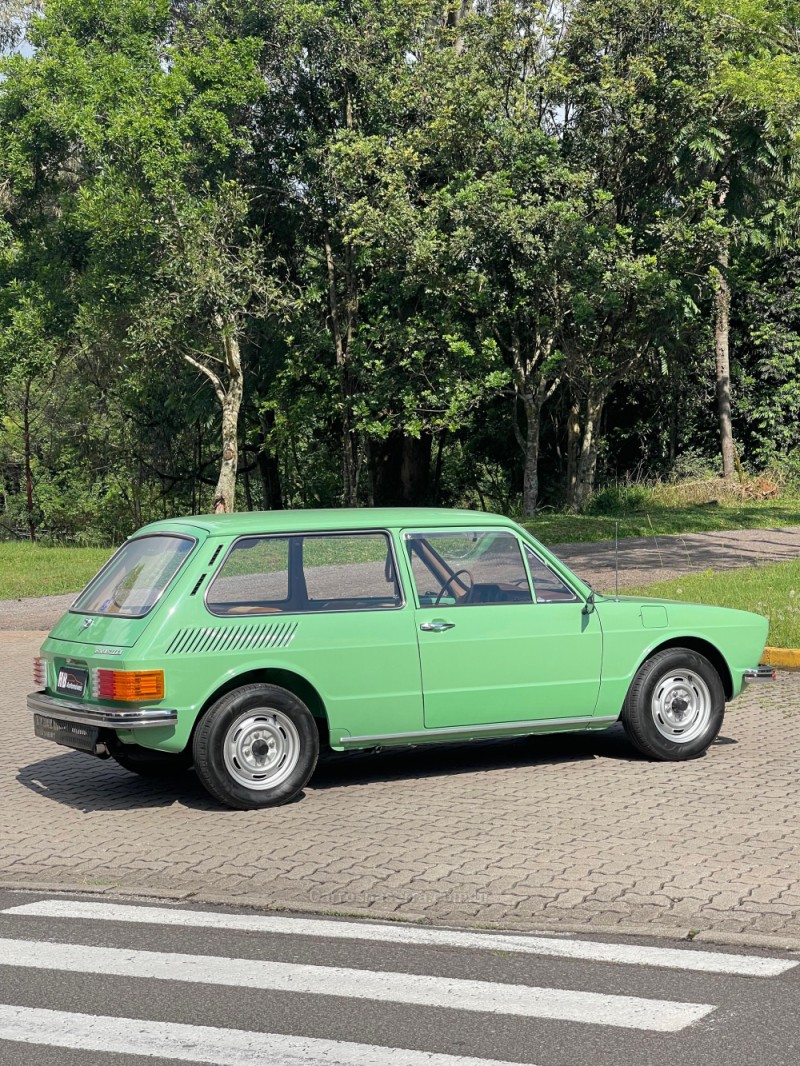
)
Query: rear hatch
[{"x": 115, "y": 607}]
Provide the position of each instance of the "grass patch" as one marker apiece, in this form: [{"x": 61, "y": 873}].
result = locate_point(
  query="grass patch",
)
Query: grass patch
[
  {"x": 664, "y": 519},
  {"x": 33, "y": 570},
  {"x": 772, "y": 590}
]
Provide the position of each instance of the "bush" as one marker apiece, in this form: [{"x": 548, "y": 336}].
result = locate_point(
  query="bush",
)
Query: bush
[{"x": 619, "y": 498}]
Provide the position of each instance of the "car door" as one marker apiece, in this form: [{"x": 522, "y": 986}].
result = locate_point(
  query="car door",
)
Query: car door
[{"x": 501, "y": 637}]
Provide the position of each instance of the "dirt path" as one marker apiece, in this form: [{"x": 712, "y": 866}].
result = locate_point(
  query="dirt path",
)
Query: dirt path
[{"x": 641, "y": 560}]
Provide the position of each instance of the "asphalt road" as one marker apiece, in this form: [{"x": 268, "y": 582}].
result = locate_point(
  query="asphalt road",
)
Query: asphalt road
[{"x": 88, "y": 982}]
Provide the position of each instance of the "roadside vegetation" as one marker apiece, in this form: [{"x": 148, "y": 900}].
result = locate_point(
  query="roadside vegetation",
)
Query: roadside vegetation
[
  {"x": 314, "y": 253},
  {"x": 35, "y": 570},
  {"x": 772, "y": 590},
  {"x": 706, "y": 505},
  {"x": 48, "y": 567}
]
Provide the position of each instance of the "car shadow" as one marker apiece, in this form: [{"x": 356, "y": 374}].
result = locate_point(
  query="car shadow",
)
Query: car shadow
[
  {"x": 89, "y": 785},
  {"x": 335, "y": 769}
]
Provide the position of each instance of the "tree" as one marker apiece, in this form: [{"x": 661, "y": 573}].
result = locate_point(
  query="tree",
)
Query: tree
[{"x": 135, "y": 128}]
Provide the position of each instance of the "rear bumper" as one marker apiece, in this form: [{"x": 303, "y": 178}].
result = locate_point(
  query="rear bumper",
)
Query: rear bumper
[
  {"x": 101, "y": 716},
  {"x": 760, "y": 673}
]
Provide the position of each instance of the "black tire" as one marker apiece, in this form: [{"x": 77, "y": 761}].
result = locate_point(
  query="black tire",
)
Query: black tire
[
  {"x": 149, "y": 763},
  {"x": 256, "y": 747},
  {"x": 675, "y": 706}
]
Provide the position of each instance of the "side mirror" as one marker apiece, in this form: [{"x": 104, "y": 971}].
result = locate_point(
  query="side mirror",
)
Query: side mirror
[{"x": 589, "y": 607}]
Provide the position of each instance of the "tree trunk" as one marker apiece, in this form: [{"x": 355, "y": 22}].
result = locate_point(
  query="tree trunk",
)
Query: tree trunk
[
  {"x": 573, "y": 449},
  {"x": 268, "y": 466},
  {"x": 401, "y": 469},
  {"x": 342, "y": 321},
  {"x": 225, "y": 492},
  {"x": 722, "y": 305},
  {"x": 26, "y": 435},
  {"x": 587, "y": 436},
  {"x": 530, "y": 474}
]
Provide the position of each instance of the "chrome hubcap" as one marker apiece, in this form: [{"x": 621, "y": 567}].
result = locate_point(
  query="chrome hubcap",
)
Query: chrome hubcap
[
  {"x": 681, "y": 707},
  {"x": 262, "y": 747}
]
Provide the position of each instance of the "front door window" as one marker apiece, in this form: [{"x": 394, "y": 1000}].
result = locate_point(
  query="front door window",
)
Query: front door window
[{"x": 464, "y": 568}]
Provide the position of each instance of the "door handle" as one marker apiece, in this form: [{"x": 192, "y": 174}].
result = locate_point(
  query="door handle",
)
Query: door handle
[{"x": 436, "y": 626}]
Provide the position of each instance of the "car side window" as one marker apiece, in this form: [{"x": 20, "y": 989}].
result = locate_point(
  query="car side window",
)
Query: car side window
[
  {"x": 302, "y": 574},
  {"x": 349, "y": 572},
  {"x": 548, "y": 586},
  {"x": 254, "y": 579},
  {"x": 461, "y": 568}
]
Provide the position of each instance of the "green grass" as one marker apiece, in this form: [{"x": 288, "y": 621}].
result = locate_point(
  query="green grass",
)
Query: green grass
[
  {"x": 772, "y": 590},
  {"x": 33, "y": 570},
  {"x": 566, "y": 528}
]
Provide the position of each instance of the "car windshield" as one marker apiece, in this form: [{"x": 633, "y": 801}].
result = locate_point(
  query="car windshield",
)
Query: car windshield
[{"x": 131, "y": 583}]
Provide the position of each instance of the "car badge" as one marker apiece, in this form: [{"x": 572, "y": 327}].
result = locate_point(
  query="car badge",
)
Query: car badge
[{"x": 87, "y": 622}]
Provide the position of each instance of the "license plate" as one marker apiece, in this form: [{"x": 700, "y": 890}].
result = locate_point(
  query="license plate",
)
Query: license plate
[
  {"x": 71, "y": 680},
  {"x": 69, "y": 734}
]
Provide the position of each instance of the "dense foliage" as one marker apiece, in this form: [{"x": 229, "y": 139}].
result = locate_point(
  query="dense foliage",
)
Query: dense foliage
[{"x": 273, "y": 253}]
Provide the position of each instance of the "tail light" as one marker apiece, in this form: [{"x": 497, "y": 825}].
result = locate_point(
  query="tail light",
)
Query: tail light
[
  {"x": 40, "y": 672},
  {"x": 138, "y": 685}
]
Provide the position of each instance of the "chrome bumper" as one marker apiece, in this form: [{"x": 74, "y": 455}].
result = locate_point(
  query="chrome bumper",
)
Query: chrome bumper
[
  {"x": 105, "y": 717},
  {"x": 760, "y": 673}
]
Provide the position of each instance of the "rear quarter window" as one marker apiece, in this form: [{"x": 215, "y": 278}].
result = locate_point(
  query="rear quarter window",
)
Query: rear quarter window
[{"x": 307, "y": 573}]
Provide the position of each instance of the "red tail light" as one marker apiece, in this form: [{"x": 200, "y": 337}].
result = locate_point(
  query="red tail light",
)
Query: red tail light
[
  {"x": 40, "y": 672},
  {"x": 138, "y": 685}
]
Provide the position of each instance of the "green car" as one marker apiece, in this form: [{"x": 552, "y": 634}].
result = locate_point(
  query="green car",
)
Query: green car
[{"x": 240, "y": 644}]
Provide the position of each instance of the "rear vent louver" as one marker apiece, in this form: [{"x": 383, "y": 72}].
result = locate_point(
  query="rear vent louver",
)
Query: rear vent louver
[
  {"x": 200, "y": 581},
  {"x": 214, "y": 556},
  {"x": 201, "y": 640}
]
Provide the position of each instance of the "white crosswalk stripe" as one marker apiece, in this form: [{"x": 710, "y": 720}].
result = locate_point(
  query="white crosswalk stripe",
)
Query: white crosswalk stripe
[
  {"x": 204, "y": 1043},
  {"x": 592, "y": 951},
  {"x": 628, "y": 1012},
  {"x": 376, "y": 989}
]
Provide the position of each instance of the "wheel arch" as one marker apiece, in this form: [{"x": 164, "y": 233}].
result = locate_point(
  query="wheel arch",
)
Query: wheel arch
[
  {"x": 288, "y": 679},
  {"x": 703, "y": 647}
]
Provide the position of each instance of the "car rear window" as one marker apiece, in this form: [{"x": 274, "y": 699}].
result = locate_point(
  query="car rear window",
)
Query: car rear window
[{"x": 130, "y": 584}]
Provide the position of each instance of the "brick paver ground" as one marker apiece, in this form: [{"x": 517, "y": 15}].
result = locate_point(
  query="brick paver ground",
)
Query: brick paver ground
[{"x": 575, "y": 829}]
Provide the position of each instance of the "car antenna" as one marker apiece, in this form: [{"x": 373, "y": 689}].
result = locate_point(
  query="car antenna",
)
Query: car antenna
[{"x": 616, "y": 560}]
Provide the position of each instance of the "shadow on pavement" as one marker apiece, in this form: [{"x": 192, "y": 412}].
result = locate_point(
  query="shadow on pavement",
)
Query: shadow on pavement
[{"x": 87, "y": 784}]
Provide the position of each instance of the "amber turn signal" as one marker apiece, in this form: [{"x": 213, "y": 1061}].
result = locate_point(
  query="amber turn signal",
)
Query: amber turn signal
[{"x": 136, "y": 685}]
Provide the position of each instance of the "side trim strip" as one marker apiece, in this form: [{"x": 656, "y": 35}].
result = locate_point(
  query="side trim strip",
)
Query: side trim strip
[{"x": 462, "y": 732}]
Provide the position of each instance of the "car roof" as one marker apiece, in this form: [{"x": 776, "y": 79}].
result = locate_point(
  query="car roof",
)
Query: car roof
[{"x": 324, "y": 519}]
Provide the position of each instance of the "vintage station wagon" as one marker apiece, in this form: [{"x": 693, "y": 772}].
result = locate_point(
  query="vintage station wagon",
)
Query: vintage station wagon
[{"x": 241, "y": 643}]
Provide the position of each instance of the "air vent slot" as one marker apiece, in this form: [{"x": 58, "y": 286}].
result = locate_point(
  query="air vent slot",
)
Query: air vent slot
[
  {"x": 217, "y": 550},
  {"x": 200, "y": 581},
  {"x": 238, "y": 636}
]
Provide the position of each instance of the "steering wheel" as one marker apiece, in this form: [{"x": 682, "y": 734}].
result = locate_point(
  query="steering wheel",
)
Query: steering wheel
[{"x": 449, "y": 582}]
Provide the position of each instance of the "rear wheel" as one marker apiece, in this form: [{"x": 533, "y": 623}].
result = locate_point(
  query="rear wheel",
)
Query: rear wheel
[
  {"x": 150, "y": 763},
  {"x": 675, "y": 705},
  {"x": 256, "y": 747}
]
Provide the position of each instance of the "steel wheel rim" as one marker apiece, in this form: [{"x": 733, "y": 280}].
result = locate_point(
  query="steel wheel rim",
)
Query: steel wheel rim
[
  {"x": 262, "y": 748},
  {"x": 681, "y": 706}
]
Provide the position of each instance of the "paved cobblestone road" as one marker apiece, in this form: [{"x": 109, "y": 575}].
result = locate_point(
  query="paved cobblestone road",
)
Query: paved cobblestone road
[{"x": 574, "y": 829}]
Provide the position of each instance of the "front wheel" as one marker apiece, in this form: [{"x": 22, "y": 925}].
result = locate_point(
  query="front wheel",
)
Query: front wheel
[
  {"x": 675, "y": 706},
  {"x": 256, "y": 747}
]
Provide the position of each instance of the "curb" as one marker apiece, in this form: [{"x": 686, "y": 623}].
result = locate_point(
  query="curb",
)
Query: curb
[
  {"x": 788, "y": 658},
  {"x": 248, "y": 901}
]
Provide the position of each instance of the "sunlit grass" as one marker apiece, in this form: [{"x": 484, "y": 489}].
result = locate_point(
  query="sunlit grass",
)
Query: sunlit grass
[
  {"x": 32, "y": 570},
  {"x": 772, "y": 590},
  {"x": 659, "y": 519}
]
